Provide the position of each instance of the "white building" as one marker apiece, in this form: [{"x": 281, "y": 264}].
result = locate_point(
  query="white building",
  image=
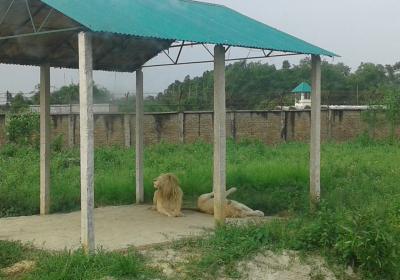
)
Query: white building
[{"x": 302, "y": 96}]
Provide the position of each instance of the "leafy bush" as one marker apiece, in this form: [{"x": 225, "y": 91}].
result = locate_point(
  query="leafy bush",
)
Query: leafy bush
[{"x": 23, "y": 129}]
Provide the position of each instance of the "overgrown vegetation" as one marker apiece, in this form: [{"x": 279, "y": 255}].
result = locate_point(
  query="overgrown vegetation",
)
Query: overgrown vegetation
[
  {"x": 23, "y": 129},
  {"x": 357, "y": 223}
]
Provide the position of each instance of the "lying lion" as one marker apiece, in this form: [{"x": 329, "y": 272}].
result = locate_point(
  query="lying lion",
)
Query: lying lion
[
  {"x": 233, "y": 209},
  {"x": 167, "y": 198}
]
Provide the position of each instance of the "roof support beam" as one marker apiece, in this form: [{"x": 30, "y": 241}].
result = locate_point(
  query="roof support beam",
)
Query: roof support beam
[
  {"x": 139, "y": 136},
  {"x": 30, "y": 15},
  {"x": 87, "y": 140},
  {"x": 204, "y": 46},
  {"x": 219, "y": 175},
  {"x": 3, "y": 17},
  {"x": 39, "y": 33},
  {"x": 315, "y": 153},
  {"x": 45, "y": 139},
  {"x": 44, "y": 22},
  {"x": 165, "y": 52},
  {"x": 180, "y": 51},
  {"x": 185, "y": 45},
  {"x": 227, "y": 60}
]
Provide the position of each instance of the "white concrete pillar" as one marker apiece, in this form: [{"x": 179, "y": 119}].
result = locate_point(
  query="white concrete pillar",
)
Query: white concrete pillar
[
  {"x": 87, "y": 141},
  {"x": 315, "y": 152},
  {"x": 219, "y": 176},
  {"x": 139, "y": 137},
  {"x": 44, "y": 139}
]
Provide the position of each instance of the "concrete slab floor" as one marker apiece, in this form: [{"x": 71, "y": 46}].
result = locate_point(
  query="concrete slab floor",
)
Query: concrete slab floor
[{"x": 115, "y": 227}]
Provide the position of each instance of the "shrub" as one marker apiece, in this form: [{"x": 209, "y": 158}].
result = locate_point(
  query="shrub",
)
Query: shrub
[{"x": 23, "y": 129}]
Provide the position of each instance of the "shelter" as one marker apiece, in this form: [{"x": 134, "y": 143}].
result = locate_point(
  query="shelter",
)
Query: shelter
[
  {"x": 122, "y": 36},
  {"x": 302, "y": 95}
]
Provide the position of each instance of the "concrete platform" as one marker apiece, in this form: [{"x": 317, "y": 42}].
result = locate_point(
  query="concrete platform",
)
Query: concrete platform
[{"x": 116, "y": 228}]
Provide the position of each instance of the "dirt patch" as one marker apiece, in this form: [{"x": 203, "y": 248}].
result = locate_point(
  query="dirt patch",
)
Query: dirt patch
[
  {"x": 169, "y": 261},
  {"x": 286, "y": 265}
]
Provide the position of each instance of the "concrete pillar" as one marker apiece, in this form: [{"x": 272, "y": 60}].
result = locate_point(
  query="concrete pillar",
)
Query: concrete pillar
[
  {"x": 45, "y": 139},
  {"x": 87, "y": 141},
  {"x": 71, "y": 130},
  {"x": 139, "y": 137},
  {"x": 283, "y": 125},
  {"x": 219, "y": 176},
  {"x": 330, "y": 120},
  {"x": 181, "y": 124},
  {"x": 127, "y": 130},
  {"x": 315, "y": 153},
  {"x": 233, "y": 125}
]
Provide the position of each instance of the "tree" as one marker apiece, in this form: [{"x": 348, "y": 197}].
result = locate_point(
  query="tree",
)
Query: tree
[
  {"x": 19, "y": 103},
  {"x": 70, "y": 95}
]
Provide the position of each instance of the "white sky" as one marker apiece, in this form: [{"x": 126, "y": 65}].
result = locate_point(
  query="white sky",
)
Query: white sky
[{"x": 358, "y": 30}]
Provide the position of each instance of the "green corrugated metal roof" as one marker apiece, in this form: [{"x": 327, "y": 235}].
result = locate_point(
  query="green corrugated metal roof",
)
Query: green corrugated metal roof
[
  {"x": 182, "y": 20},
  {"x": 302, "y": 88}
]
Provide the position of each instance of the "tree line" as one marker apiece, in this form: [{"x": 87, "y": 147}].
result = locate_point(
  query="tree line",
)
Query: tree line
[
  {"x": 252, "y": 85},
  {"x": 258, "y": 85}
]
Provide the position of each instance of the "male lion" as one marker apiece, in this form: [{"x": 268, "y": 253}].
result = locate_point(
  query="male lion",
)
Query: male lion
[
  {"x": 233, "y": 209},
  {"x": 168, "y": 195}
]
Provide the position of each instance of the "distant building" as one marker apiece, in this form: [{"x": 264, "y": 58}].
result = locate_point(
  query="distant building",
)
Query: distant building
[
  {"x": 3, "y": 98},
  {"x": 302, "y": 96}
]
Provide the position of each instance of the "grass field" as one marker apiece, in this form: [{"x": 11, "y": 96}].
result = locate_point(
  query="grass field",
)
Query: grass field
[{"x": 357, "y": 223}]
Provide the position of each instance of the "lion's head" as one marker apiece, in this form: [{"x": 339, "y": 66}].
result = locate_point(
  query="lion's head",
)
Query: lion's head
[{"x": 168, "y": 186}]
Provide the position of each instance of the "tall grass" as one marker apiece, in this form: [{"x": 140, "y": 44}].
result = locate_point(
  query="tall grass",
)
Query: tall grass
[
  {"x": 357, "y": 224},
  {"x": 268, "y": 178},
  {"x": 76, "y": 265},
  {"x": 272, "y": 179}
]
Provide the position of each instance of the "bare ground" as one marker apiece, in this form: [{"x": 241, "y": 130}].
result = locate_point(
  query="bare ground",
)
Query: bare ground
[{"x": 268, "y": 265}]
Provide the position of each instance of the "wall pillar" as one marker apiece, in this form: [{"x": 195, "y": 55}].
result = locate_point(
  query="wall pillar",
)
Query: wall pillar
[
  {"x": 86, "y": 140},
  {"x": 181, "y": 125},
  {"x": 330, "y": 124},
  {"x": 315, "y": 152},
  {"x": 233, "y": 125},
  {"x": 139, "y": 136},
  {"x": 127, "y": 130},
  {"x": 283, "y": 125},
  {"x": 44, "y": 139},
  {"x": 71, "y": 130},
  {"x": 219, "y": 176}
]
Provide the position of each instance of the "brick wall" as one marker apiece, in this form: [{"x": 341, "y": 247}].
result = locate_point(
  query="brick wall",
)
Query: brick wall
[
  {"x": 2, "y": 130},
  {"x": 270, "y": 127}
]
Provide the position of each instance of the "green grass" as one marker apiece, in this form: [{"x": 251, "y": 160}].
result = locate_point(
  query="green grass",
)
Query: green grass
[
  {"x": 357, "y": 223},
  {"x": 252, "y": 167},
  {"x": 77, "y": 265}
]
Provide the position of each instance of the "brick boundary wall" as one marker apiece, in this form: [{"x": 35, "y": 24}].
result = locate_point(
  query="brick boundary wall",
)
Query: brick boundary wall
[{"x": 270, "y": 127}]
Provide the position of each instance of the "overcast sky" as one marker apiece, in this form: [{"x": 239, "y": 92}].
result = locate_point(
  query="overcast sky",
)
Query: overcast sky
[{"x": 358, "y": 30}]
